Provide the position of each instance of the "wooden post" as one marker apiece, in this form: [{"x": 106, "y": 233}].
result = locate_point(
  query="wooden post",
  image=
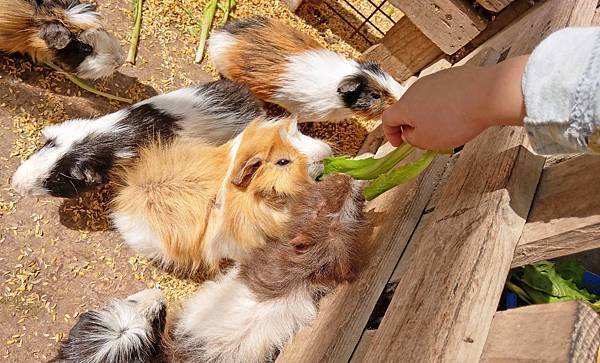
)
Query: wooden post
[
  {"x": 559, "y": 332},
  {"x": 565, "y": 215},
  {"x": 450, "y": 24},
  {"x": 403, "y": 51},
  {"x": 447, "y": 297},
  {"x": 494, "y": 5}
]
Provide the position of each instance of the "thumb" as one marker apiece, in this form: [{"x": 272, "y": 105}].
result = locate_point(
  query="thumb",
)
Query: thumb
[{"x": 393, "y": 134}]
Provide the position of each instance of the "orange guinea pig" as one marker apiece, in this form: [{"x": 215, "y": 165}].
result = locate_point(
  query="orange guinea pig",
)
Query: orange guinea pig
[{"x": 189, "y": 205}]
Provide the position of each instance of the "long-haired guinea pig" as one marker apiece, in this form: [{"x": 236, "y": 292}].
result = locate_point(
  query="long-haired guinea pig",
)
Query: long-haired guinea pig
[
  {"x": 62, "y": 31},
  {"x": 283, "y": 66},
  {"x": 188, "y": 205},
  {"x": 80, "y": 154},
  {"x": 249, "y": 314},
  {"x": 127, "y": 330}
]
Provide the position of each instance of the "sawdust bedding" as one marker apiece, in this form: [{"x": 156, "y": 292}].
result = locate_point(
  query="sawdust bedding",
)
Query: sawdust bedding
[{"x": 59, "y": 257}]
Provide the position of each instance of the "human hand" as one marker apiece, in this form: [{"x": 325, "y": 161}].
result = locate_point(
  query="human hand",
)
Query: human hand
[{"x": 451, "y": 107}]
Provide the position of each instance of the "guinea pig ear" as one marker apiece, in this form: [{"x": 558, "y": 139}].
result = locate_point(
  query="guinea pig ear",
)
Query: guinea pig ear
[
  {"x": 55, "y": 35},
  {"x": 243, "y": 178},
  {"x": 351, "y": 87}
]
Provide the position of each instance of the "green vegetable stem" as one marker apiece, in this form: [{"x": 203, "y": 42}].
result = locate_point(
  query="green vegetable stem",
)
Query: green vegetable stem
[
  {"x": 207, "y": 19},
  {"x": 398, "y": 176},
  {"x": 369, "y": 168},
  {"x": 135, "y": 34}
]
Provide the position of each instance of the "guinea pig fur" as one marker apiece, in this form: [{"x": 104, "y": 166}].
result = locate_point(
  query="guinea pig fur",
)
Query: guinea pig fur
[
  {"x": 284, "y": 66},
  {"x": 65, "y": 32},
  {"x": 125, "y": 331},
  {"x": 189, "y": 205},
  {"x": 249, "y": 314},
  {"x": 80, "y": 154}
]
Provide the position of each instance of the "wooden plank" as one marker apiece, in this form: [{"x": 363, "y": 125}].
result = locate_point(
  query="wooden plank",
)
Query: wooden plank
[
  {"x": 559, "y": 332},
  {"x": 464, "y": 257},
  {"x": 450, "y": 24},
  {"x": 565, "y": 215},
  {"x": 502, "y": 20},
  {"x": 456, "y": 274},
  {"x": 596, "y": 18},
  {"x": 362, "y": 347},
  {"x": 403, "y": 51},
  {"x": 343, "y": 315},
  {"x": 494, "y": 5}
]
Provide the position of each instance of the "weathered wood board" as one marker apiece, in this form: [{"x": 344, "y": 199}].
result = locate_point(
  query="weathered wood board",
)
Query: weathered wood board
[
  {"x": 559, "y": 332},
  {"x": 565, "y": 215},
  {"x": 463, "y": 259},
  {"x": 403, "y": 51},
  {"x": 450, "y": 24},
  {"x": 494, "y": 5}
]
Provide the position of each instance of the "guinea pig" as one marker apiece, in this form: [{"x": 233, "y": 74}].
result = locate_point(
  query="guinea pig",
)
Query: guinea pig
[
  {"x": 65, "y": 32},
  {"x": 189, "y": 205},
  {"x": 80, "y": 154},
  {"x": 128, "y": 330},
  {"x": 250, "y": 313},
  {"x": 286, "y": 67}
]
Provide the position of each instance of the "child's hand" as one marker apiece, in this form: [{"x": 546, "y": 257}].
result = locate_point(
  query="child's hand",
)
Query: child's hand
[{"x": 451, "y": 107}]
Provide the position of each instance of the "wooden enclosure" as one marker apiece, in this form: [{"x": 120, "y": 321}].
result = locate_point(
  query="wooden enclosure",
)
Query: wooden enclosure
[{"x": 447, "y": 240}]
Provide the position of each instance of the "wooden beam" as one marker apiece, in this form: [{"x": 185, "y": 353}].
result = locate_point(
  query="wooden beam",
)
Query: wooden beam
[
  {"x": 514, "y": 11},
  {"x": 565, "y": 215},
  {"x": 446, "y": 300},
  {"x": 494, "y": 5},
  {"x": 450, "y": 24},
  {"x": 403, "y": 51},
  {"x": 559, "y": 332},
  {"x": 344, "y": 314},
  {"x": 360, "y": 352}
]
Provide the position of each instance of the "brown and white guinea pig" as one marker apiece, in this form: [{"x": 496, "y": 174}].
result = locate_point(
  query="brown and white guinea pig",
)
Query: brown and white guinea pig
[
  {"x": 65, "y": 32},
  {"x": 284, "y": 66},
  {"x": 256, "y": 308},
  {"x": 80, "y": 154},
  {"x": 188, "y": 205}
]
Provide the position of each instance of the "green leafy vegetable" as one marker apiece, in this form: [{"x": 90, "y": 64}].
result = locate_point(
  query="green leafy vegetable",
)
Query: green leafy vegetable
[
  {"x": 398, "y": 176},
  {"x": 546, "y": 281}
]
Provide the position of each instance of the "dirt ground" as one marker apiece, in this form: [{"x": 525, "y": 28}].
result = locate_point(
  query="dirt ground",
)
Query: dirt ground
[{"x": 60, "y": 257}]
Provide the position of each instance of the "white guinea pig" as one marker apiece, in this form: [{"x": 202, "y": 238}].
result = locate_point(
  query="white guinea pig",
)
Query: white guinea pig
[
  {"x": 65, "y": 32},
  {"x": 284, "y": 66},
  {"x": 80, "y": 154}
]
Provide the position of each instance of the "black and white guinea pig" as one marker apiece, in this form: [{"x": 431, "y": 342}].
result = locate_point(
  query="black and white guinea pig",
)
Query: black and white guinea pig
[
  {"x": 256, "y": 308},
  {"x": 284, "y": 66},
  {"x": 80, "y": 154},
  {"x": 128, "y": 330},
  {"x": 65, "y": 32}
]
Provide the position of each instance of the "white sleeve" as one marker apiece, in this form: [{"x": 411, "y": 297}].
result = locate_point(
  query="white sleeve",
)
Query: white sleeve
[{"x": 560, "y": 86}]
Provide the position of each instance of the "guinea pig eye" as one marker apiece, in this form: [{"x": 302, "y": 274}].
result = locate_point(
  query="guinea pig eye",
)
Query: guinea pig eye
[
  {"x": 375, "y": 95},
  {"x": 282, "y": 162}
]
